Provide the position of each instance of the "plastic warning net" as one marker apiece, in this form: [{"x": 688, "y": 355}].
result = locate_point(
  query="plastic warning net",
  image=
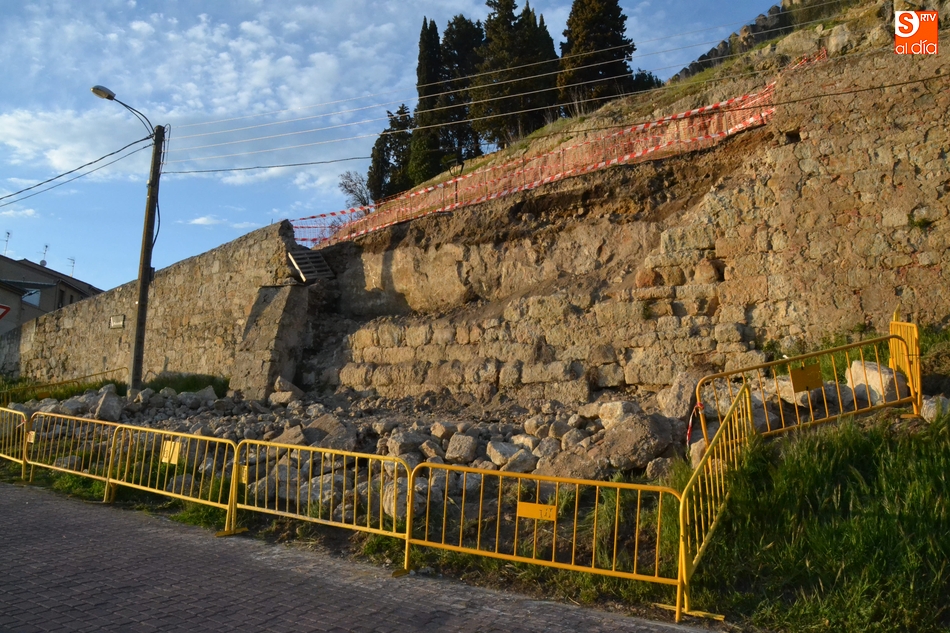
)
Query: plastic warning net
[{"x": 675, "y": 134}]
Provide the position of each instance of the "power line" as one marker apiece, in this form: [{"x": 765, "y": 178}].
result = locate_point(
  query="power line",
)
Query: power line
[
  {"x": 60, "y": 184},
  {"x": 459, "y": 90},
  {"x": 66, "y": 173},
  {"x": 417, "y": 86},
  {"x": 316, "y": 162},
  {"x": 440, "y": 125}
]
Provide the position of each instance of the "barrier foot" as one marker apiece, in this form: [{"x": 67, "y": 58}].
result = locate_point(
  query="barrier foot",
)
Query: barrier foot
[
  {"x": 695, "y": 614},
  {"x": 230, "y": 532},
  {"x": 401, "y": 572}
]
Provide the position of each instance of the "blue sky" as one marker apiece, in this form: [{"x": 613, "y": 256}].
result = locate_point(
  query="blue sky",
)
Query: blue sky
[{"x": 309, "y": 74}]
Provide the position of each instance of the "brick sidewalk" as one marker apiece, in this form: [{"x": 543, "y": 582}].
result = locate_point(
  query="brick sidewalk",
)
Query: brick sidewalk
[{"x": 73, "y": 566}]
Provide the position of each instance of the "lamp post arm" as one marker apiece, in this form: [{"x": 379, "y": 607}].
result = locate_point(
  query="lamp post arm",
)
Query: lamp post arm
[{"x": 141, "y": 117}]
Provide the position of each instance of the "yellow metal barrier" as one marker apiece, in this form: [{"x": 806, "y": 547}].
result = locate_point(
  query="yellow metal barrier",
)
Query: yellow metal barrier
[
  {"x": 707, "y": 491},
  {"x": 40, "y": 391},
  {"x": 71, "y": 445},
  {"x": 906, "y": 359},
  {"x": 810, "y": 389},
  {"x": 189, "y": 467},
  {"x": 357, "y": 491},
  {"x": 613, "y": 529},
  {"x": 13, "y": 429}
]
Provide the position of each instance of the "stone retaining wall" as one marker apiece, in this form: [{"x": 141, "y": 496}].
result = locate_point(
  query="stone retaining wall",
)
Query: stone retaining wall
[{"x": 203, "y": 312}]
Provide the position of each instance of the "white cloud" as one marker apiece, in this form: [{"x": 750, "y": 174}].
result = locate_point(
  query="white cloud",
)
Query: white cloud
[
  {"x": 25, "y": 213},
  {"x": 206, "y": 220},
  {"x": 142, "y": 28}
]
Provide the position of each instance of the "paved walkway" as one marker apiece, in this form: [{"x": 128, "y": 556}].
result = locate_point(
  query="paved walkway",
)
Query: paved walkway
[{"x": 66, "y": 565}]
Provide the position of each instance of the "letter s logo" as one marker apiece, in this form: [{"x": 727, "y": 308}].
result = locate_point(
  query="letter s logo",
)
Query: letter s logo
[{"x": 906, "y": 23}]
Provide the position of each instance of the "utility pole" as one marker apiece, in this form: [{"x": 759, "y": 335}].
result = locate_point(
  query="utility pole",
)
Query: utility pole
[{"x": 145, "y": 262}]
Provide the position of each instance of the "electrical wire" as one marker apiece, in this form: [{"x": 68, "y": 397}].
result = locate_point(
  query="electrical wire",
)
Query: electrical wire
[
  {"x": 462, "y": 90},
  {"x": 66, "y": 173},
  {"x": 389, "y": 92},
  {"x": 315, "y": 162},
  {"x": 135, "y": 151}
]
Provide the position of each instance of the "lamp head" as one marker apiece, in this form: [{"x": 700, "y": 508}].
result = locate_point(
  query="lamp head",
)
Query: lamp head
[{"x": 103, "y": 93}]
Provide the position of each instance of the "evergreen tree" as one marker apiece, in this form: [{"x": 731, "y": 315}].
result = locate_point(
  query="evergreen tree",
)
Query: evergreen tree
[
  {"x": 426, "y": 155},
  {"x": 389, "y": 161},
  {"x": 596, "y": 50},
  {"x": 461, "y": 42},
  {"x": 538, "y": 46},
  {"x": 512, "y": 41}
]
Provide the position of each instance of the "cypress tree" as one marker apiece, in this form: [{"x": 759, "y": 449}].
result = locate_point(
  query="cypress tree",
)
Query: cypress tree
[
  {"x": 389, "y": 161},
  {"x": 426, "y": 155},
  {"x": 595, "y": 50},
  {"x": 461, "y": 43},
  {"x": 512, "y": 41}
]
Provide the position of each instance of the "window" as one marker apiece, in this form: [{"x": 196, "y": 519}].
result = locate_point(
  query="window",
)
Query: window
[{"x": 62, "y": 298}]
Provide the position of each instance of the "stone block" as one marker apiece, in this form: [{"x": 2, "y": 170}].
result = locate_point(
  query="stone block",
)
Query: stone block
[
  {"x": 509, "y": 375},
  {"x": 363, "y": 338},
  {"x": 521, "y": 462},
  {"x": 443, "y": 335},
  {"x": 611, "y": 375},
  {"x": 356, "y": 375},
  {"x": 683, "y": 238},
  {"x": 568, "y": 392},
  {"x": 462, "y": 449},
  {"x": 418, "y": 335},
  {"x": 390, "y": 335},
  {"x": 500, "y": 452}
]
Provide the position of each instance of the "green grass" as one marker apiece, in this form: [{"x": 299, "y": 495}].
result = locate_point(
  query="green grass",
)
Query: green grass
[
  {"x": 843, "y": 530},
  {"x": 189, "y": 382}
]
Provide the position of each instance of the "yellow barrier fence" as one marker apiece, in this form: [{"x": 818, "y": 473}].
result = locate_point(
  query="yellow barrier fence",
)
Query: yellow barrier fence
[
  {"x": 707, "y": 491},
  {"x": 614, "y": 529},
  {"x": 793, "y": 393},
  {"x": 192, "y": 468},
  {"x": 635, "y": 531},
  {"x": 906, "y": 358},
  {"x": 39, "y": 391},
  {"x": 13, "y": 430},
  {"x": 350, "y": 490},
  {"x": 80, "y": 446}
]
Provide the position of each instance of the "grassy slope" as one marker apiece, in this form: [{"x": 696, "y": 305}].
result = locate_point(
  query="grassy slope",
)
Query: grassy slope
[{"x": 843, "y": 530}]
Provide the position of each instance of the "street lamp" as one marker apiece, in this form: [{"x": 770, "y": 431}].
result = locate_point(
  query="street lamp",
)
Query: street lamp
[{"x": 148, "y": 232}]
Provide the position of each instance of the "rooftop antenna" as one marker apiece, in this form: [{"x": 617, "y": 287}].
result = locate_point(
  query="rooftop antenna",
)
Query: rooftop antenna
[
  {"x": 6, "y": 244},
  {"x": 45, "y": 250},
  {"x": 72, "y": 260}
]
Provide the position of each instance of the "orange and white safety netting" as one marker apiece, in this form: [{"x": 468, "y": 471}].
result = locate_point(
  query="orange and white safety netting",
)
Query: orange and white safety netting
[{"x": 671, "y": 135}]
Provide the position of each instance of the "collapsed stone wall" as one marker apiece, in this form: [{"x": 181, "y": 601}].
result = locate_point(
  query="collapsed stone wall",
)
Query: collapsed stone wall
[
  {"x": 825, "y": 221},
  {"x": 205, "y": 313}
]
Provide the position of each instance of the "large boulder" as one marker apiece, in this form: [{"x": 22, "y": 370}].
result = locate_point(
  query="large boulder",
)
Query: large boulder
[
  {"x": 679, "y": 399},
  {"x": 634, "y": 442},
  {"x": 934, "y": 407},
  {"x": 521, "y": 462},
  {"x": 462, "y": 449},
  {"x": 876, "y": 384},
  {"x": 500, "y": 452},
  {"x": 613, "y": 413},
  {"x": 574, "y": 464},
  {"x": 109, "y": 407},
  {"x": 405, "y": 441}
]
